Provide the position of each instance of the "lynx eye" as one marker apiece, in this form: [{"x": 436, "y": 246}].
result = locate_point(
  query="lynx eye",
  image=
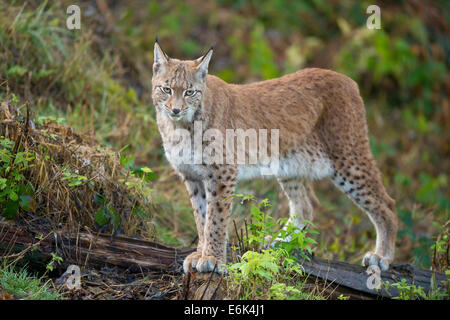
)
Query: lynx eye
[
  {"x": 189, "y": 93},
  {"x": 166, "y": 90}
]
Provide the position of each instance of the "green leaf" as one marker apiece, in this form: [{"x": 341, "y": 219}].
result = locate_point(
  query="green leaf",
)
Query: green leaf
[
  {"x": 99, "y": 199},
  {"x": 27, "y": 203},
  {"x": 13, "y": 196},
  {"x": 10, "y": 209},
  {"x": 3, "y": 183},
  {"x": 146, "y": 169},
  {"x": 115, "y": 218},
  {"x": 127, "y": 162},
  {"x": 102, "y": 216},
  {"x": 16, "y": 71},
  {"x": 145, "y": 172},
  {"x": 140, "y": 212}
]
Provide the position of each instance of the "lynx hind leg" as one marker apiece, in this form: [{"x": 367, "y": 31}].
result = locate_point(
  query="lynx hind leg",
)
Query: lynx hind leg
[
  {"x": 312, "y": 195},
  {"x": 298, "y": 194},
  {"x": 197, "y": 196},
  {"x": 360, "y": 180}
]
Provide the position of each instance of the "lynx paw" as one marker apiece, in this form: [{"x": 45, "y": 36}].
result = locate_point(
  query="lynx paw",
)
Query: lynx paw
[
  {"x": 207, "y": 263},
  {"x": 372, "y": 258},
  {"x": 191, "y": 261}
]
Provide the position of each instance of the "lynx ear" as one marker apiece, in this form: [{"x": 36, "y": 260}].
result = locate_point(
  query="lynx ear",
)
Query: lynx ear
[
  {"x": 160, "y": 57},
  {"x": 203, "y": 63}
]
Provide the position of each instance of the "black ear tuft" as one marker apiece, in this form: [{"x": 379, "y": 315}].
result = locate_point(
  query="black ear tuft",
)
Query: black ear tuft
[
  {"x": 210, "y": 49},
  {"x": 156, "y": 39}
]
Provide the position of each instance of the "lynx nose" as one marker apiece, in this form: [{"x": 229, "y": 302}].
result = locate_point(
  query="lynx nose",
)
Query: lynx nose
[{"x": 176, "y": 111}]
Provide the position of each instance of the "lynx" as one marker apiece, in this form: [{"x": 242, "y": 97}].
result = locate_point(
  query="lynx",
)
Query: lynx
[{"x": 323, "y": 133}]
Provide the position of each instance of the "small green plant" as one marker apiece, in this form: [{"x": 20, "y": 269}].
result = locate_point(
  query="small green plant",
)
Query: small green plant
[
  {"x": 140, "y": 175},
  {"x": 21, "y": 285},
  {"x": 441, "y": 249},
  {"x": 282, "y": 291},
  {"x": 15, "y": 192},
  {"x": 55, "y": 260},
  {"x": 264, "y": 230},
  {"x": 409, "y": 291},
  {"x": 262, "y": 227},
  {"x": 265, "y": 271},
  {"x": 342, "y": 297},
  {"x": 73, "y": 179},
  {"x": 137, "y": 180},
  {"x": 106, "y": 214},
  {"x": 263, "y": 274},
  {"x": 295, "y": 238}
]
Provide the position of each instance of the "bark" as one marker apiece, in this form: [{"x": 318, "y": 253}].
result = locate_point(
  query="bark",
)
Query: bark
[
  {"x": 99, "y": 250},
  {"x": 93, "y": 250},
  {"x": 352, "y": 280}
]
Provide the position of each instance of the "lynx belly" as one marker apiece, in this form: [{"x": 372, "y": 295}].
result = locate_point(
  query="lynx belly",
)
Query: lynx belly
[{"x": 298, "y": 165}]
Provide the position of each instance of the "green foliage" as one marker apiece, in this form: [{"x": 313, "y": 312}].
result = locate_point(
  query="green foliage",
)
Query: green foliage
[
  {"x": 73, "y": 179},
  {"x": 408, "y": 291},
  {"x": 261, "y": 56},
  {"x": 54, "y": 260},
  {"x": 15, "y": 192},
  {"x": 23, "y": 286},
  {"x": 263, "y": 230},
  {"x": 138, "y": 178},
  {"x": 106, "y": 214},
  {"x": 266, "y": 274},
  {"x": 428, "y": 192},
  {"x": 76, "y": 83},
  {"x": 269, "y": 272},
  {"x": 297, "y": 239},
  {"x": 421, "y": 250},
  {"x": 441, "y": 249},
  {"x": 100, "y": 82}
]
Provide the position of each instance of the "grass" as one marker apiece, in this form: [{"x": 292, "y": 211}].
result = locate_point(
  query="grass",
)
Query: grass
[{"x": 22, "y": 285}]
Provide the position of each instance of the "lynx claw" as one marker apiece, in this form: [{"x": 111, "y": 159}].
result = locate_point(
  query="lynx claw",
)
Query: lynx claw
[
  {"x": 191, "y": 261},
  {"x": 207, "y": 263},
  {"x": 372, "y": 258}
]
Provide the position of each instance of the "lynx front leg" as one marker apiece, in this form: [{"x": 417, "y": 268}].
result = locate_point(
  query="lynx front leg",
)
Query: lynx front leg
[
  {"x": 197, "y": 194},
  {"x": 219, "y": 186}
]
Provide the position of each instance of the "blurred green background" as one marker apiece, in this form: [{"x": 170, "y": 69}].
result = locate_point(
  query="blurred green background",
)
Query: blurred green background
[{"x": 98, "y": 79}]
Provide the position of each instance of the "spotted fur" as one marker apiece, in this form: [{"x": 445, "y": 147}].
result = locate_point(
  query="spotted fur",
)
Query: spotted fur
[{"x": 323, "y": 134}]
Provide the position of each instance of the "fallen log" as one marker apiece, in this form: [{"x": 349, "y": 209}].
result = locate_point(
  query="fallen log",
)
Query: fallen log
[
  {"x": 353, "y": 280},
  {"x": 99, "y": 250},
  {"x": 94, "y": 250}
]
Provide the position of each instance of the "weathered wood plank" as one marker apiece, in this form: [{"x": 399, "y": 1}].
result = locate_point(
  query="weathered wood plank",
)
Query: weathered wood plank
[
  {"x": 355, "y": 277},
  {"x": 98, "y": 250}
]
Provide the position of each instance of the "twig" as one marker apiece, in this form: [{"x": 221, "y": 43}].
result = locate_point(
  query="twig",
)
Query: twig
[
  {"x": 237, "y": 235},
  {"x": 186, "y": 286},
  {"x": 218, "y": 285},
  {"x": 209, "y": 281}
]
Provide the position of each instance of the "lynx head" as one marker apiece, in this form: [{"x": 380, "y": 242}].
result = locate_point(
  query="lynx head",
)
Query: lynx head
[{"x": 178, "y": 86}]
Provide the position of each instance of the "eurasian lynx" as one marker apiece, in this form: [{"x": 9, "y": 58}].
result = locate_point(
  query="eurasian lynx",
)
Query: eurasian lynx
[{"x": 321, "y": 121}]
